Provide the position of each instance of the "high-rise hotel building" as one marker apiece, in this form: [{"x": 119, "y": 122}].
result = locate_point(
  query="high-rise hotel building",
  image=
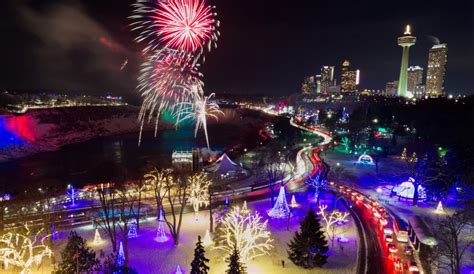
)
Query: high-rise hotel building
[
  {"x": 327, "y": 78},
  {"x": 437, "y": 58},
  {"x": 349, "y": 78},
  {"x": 415, "y": 81}
]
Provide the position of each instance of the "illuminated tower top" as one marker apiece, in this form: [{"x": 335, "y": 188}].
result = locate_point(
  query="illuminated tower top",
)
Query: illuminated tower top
[{"x": 407, "y": 40}]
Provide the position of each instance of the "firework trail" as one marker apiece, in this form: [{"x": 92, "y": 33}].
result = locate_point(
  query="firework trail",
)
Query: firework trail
[
  {"x": 183, "y": 25},
  {"x": 124, "y": 64},
  {"x": 199, "y": 110},
  {"x": 165, "y": 85}
]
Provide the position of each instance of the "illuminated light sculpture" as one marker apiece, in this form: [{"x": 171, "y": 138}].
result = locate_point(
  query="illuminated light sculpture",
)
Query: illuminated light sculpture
[
  {"x": 121, "y": 257},
  {"x": 5, "y": 197},
  {"x": 178, "y": 270},
  {"x": 227, "y": 201},
  {"x": 366, "y": 159},
  {"x": 413, "y": 158},
  {"x": 293, "y": 203},
  {"x": 439, "y": 208},
  {"x": 54, "y": 233},
  {"x": 379, "y": 189},
  {"x": 407, "y": 190},
  {"x": 207, "y": 241},
  {"x": 24, "y": 250},
  {"x": 346, "y": 143},
  {"x": 342, "y": 238},
  {"x": 160, "y": 233},
  {"x": 245, "y": 209},
  {"x": 199, "y": 190},
  {"x": 97, "y": 238},
  {"x": 404, "y": 154},
  {"x": 132, "y": 231},
  {"x": 280, "y": 209},
  {"x": 247, "y": 232},
  {"x": 72, "y": 193}
]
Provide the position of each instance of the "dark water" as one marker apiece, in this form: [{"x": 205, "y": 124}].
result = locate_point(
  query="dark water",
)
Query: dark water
[{"x": 109, "y": 158}]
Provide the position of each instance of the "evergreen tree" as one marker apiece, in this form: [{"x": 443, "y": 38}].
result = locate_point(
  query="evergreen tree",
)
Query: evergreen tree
[
  {"x": 76, "y": 256},
  {"x": 109, "y": 266},
  {"x": 198, "y": 265},
  {"x": 371, "y": 140},
  {"x": 308, "y": 247},
  {"x": 235, "y": 266}
]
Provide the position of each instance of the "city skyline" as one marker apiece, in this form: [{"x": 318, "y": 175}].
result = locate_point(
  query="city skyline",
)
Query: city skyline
[{"x": 256, "y": 50}]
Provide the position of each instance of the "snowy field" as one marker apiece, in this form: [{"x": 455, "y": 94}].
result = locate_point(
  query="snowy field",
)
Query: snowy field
[{"x": 149, "y": 256}]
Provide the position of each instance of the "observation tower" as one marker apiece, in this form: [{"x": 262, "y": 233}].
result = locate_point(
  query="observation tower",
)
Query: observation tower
[{"x": 405, "y": 41}]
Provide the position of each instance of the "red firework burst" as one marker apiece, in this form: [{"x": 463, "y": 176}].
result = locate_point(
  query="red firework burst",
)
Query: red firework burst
[{"x": 184, "y": 24}]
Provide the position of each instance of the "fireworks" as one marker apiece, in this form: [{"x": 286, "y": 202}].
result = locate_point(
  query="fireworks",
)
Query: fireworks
[
  {"x": 199, "y": 110},
  {"x": 183, "y": 25},
  {"x": 175, "y": 33},
  {"x": 164, "y": 84},
  {"x": 247, "y": 232}
]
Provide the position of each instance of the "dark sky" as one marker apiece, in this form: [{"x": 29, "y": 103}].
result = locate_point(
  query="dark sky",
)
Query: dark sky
[{"x": 266, "y": 47}]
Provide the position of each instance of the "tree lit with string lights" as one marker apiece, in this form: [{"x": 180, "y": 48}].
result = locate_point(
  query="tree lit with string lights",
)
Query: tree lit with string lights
[
  {"x": 24, "y": 250},
  {"x": 245, "y": 231},
  {"x": 199, "y": 190}
]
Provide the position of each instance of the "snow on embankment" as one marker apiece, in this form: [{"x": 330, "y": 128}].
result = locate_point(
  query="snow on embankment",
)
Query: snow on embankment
[{"x": 49, "y": 129}]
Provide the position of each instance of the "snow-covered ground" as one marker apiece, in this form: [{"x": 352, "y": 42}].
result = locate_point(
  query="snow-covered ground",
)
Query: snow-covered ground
[
  {"x": 149, "y": 256},
  {"x": 49, "y": 129}
]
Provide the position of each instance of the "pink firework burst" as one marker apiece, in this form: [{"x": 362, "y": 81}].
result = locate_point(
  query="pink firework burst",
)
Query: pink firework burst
[{"x": 184, "y": 24}]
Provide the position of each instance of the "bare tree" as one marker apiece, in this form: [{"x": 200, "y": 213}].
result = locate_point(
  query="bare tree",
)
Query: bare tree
[
  {"x": 177, "y": 192},
  {"x": 158, "y": 181},
  {"x": 106, "y": 214},
  {"x": 276, "y": 170},
  {"x": 425, "y": 172},
  {"x": 454, "y": 235},
  {"x": 136, "y": 194},
  {"x": 127, "y": 206}
]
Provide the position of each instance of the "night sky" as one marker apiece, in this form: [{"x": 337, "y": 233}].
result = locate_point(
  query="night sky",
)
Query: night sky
[{"x": 266, "y": 47}]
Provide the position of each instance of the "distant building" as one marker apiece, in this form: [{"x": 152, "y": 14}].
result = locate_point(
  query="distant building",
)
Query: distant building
[
  {"x": 405, "y": 41},
  {"x": 391, "y": 88},
  {"x": 318, "y": 83},
  {"x": 415, "y": 78},
  {"x": 349, "y": 78},
  {"x": 327, "y": 78},
  {"x": 437, "y": 58},
  {"x": 420, "y": 91},
  {"x": 334, "y": 89},
  {"x": 309, "y": 85}
]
